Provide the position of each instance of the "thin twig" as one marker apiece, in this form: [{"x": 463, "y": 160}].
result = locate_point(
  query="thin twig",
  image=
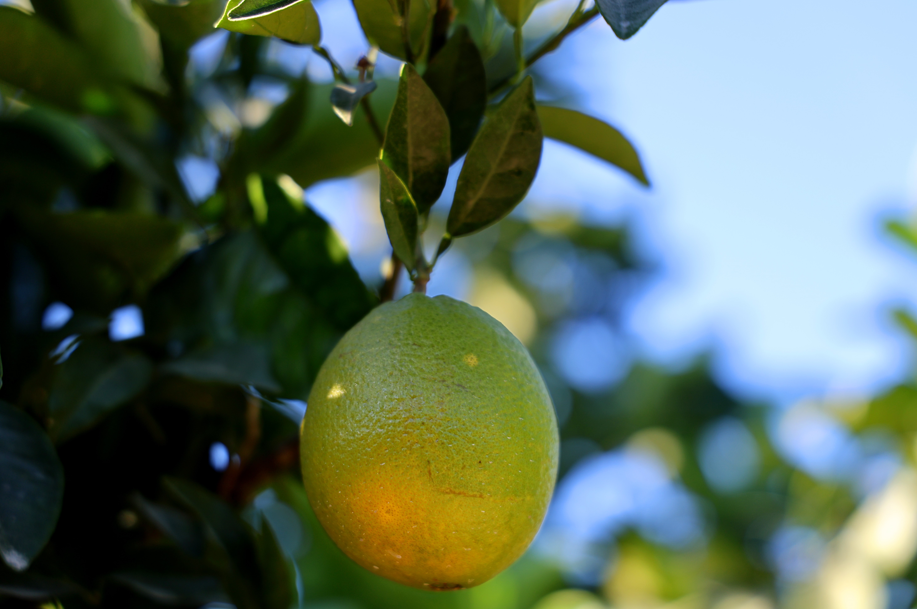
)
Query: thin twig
[
  {"x": 336, "y": 68},
  {"x": 230, "y": 477},
  {"x": 387, "y": 293},
  {"x": 420, "y": 284},
  {"x": 261, "y": 471},
  {"x": 371, "y": 119},
  {"x": 441, "y": 22},
  {"x": 576, "y": 22},
  {"x": 406, "y": 31}
]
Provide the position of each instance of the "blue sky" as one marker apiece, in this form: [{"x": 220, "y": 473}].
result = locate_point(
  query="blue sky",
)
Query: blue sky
[{"x": 777, "y": 134}]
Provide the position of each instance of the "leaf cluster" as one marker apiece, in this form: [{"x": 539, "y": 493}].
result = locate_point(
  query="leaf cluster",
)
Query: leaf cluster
[{"x": 110, "y": 496}]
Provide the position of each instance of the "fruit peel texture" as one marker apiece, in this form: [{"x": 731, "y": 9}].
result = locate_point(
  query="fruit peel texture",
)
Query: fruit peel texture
[{"x": 430, "y": 445}]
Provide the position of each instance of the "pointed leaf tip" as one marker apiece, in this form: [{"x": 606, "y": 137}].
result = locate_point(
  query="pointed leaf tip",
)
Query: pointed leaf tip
[
  {"x": 417, "y": 142},
  {"x": 592, "y": 136},
  {"x": 500, "y": 166},
  {"x": 626, "y": 17},
  {"x": 400, "y": 215},
  {"x": 457, "y": 78},
  {"x": 32, "y": 480},
  {"x": 294, "y": 21},
  {"x": 250, "y": 9}
]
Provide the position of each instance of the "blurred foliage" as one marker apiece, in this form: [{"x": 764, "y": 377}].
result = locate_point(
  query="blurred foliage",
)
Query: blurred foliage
[{"x": 161, "y": 470}]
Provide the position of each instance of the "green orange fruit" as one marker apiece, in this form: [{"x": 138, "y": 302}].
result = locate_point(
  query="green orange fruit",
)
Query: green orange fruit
[{"x": 429, "y": 445}]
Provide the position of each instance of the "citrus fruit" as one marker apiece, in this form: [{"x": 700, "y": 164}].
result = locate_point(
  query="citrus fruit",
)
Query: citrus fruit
[{"x": 429, "y": 445}]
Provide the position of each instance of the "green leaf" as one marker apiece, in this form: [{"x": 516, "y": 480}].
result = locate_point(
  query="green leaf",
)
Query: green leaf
[
  {"x": 227, "y": 528},
  {"x": 457, "y": 78},
  {"x": 173, "y": 589},
  {"x": 417, "y": 145},
  {"x": 344, "y": 99},
  {"x": 906, "y": 320},
  {"x": 32, "y": 482},
  {"x": 400, "y": 215},
  {"x": 324, "y": 147},
  {"x": 516, "y": 12},
  {"x": 236, "y": 290},
  {"x": 903, "y": 232},
  {"x": 277, "y": 591},
  {"x": 102, "y": 258},
  {"x": 593, "y": 136},
  {"x": 627, "y": 16},
  {"x": 238, "y": 363},
  {"x": 183, "y": 23},
  {"x": 500, "y": 165},
  {"x": 249, "y": 9},
  {"x": 33, "y": 587},
  {"x": 42, "y": 61},
  {"x": 312, "y": 255},
  {"x": 110, "y": 33},
  {"x": 178, "y": 526},
  {"x": 232, "y": 535},
  {"x": 295, "y": 22},
  {"x": 97, "y": 378},
  {"x": 142, "y": 157},
  {"x": 255, "y": 148},
  {"x": 381, "y": 22}
]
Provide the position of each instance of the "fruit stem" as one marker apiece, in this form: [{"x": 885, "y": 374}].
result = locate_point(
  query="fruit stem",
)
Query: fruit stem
[
  {"x": 422, "y": 275},
  {"x": 387, "y": 292}
]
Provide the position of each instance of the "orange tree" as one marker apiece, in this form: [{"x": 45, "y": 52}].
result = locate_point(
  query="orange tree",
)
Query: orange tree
[
  {"x": 109, "y": 497},
  {"x": 163, "y": 469}
]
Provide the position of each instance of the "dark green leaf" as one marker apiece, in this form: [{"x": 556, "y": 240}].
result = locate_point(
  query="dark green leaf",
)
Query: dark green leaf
[
  {"x": 400, "y": 215},
  {"x": 33, "y": 587},
  {"x": 232, "y": 535},
  {"x": 324, "y": 147},
  {"x": 237, "y": 363},
  {"x": 102, "y": 258},
  {"x": 311, "y": 254},
  {"x": 45, "y": 63},
  {"x": 51, "y": 151},
  {"x": 906, "y": 320},
  {"x": 295, "y": 22},
  {"x": 255, "y": 149},
  {"x": 381, "y": 23},
  {"x": 227, "y": 528},
  {"x": 236, "y": 290},
  {"x": 110, "y": 32},
  {"x": 457, "y": 78},
  {"x": 516, "y": 12},
  {"x": 277, "y": 591},
  {"x": 249, "y": 9},
  {"x": 141, "y": 157},
  {"x": 178, "y": 526},
  {"x": 417, "y": 145},
  {"x": 904, "y": 232},
  {"x": 627, "y": 16},
  {"x": 344, "y": 99},
  {"x": 32, "y": 482},
  {"x": 82, "y": 147},
  {"x": 173, "y": 589},
  {"x": 895, "y": 411},
  {"x": 593, "y": 136},
  {"x": 500, "y": 166},
  {"x": 183, "y": 23},
  {"x": 97, "y": 378}
]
